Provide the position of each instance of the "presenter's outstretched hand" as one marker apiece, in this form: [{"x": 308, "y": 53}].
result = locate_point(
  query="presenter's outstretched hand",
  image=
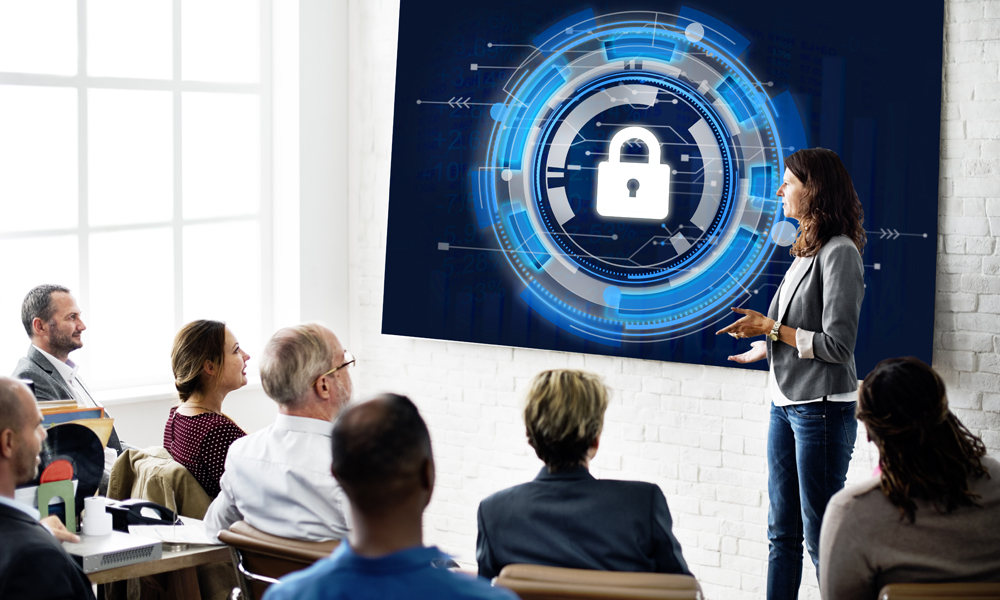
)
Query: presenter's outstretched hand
[
  {"x": 758, "y": 351},
  {"x": 751, "y": 325},
  {"x": 59, "y": 530}
]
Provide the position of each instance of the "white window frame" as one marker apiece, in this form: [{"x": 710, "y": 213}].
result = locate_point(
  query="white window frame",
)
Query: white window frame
[{"x": 264, "y": 217}]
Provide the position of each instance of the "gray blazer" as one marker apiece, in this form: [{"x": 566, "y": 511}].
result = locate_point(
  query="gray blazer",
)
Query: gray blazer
[
  {"x": 824, "y": 298},
  {"x": 50, "y": 385}
]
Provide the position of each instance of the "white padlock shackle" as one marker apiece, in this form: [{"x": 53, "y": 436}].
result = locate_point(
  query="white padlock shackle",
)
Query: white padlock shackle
[{"x": 631, "y": 133}]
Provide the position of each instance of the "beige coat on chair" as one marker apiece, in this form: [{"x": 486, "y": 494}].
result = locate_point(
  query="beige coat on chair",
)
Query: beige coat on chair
[{"x": 152, "y": 474}]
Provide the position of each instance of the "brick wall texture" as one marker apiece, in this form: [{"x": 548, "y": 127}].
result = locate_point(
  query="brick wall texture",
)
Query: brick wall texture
[{"x": 696, "y": 431}]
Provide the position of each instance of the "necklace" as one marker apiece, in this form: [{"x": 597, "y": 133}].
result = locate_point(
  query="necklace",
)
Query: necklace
[{"x": 206, "y": 409}]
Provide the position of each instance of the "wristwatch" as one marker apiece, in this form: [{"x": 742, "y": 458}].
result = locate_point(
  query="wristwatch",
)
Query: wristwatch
[{"x": 773, "y": 336}]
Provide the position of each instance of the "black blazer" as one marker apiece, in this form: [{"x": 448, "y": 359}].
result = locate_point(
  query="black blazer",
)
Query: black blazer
[
  {"x": 569, "y": 519},
  {"x": 50, "y": 385},
  {"x": 33, "y": 564}
]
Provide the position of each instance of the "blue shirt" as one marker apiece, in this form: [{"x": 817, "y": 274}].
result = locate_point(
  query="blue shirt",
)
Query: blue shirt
[{"x": 404, "y": 574}]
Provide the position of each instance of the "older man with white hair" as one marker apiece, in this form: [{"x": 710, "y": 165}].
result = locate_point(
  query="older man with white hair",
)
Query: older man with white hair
[{"x": 278, "y": 480}]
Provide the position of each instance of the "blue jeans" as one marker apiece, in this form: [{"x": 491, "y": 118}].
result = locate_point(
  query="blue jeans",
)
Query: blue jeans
[{"x": 809, "y": 447}]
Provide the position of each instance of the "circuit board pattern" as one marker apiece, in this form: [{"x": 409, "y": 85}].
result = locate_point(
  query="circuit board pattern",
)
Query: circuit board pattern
[{"x": 589, "y": 76}]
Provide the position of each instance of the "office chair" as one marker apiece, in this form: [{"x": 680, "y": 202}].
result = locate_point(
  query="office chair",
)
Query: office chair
[
  {"x": 536, "y": 582},
  {"x": 259, "y": 559},
  {"x": 940, "y": 591}
]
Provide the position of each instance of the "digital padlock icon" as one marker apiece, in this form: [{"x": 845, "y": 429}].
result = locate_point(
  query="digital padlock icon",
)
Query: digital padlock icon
[{"x": 633, "y": 190}]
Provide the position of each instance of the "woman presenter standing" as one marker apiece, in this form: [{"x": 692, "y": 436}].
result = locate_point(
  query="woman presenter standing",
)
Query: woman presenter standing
[{"x": 811, "y": 329}]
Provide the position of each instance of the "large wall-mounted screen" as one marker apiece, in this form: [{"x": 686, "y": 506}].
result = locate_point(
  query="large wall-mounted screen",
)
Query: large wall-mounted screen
[{"x": 601, "y": 177}]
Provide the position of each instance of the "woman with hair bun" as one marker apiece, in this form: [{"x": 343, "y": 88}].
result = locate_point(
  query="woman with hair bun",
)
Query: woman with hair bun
[
  {"x": 208, "y": 363},
  {"x": 933, "y": 513}
]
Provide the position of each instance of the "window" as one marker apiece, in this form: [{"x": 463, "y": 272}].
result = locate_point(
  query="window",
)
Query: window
[{"x": 135, "y": 168}]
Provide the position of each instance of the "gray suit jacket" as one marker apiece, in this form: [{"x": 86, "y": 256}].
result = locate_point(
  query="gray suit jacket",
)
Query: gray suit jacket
[
  {"x": 50, "y": 385},
  {"x": 824, "y": 298}
]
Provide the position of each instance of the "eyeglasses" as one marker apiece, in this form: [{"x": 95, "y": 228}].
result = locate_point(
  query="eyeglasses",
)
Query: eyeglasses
[{"x": 348, "y": 361}]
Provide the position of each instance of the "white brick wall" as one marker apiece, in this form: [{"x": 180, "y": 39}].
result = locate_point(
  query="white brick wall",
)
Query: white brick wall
[{"x": 698, "y": 432}]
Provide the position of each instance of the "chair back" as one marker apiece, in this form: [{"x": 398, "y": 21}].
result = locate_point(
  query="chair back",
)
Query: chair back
[
  {"x": 260, "y": 559},
  {"x": 536, "y": 582},
  {"x": 940, "y": 591}
]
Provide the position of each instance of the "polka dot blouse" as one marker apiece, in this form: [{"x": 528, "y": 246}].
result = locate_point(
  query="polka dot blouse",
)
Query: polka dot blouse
[{"x": 201, "y": 444}]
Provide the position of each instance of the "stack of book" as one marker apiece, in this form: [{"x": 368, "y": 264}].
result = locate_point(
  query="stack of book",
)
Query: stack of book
[{"x": 56, "y": 412}]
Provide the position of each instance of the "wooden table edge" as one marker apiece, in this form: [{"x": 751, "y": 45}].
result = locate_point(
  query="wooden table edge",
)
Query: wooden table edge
[{"x": 213, "y": 554}]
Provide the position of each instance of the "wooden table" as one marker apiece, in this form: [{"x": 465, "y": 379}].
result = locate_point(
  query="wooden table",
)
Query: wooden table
[{"x": 180, "y": 567}]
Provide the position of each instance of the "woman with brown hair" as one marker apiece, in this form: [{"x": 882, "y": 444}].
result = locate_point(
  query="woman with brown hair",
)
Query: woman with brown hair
[
  {"x": 933, "y": 514},
  {"x": 208, "y": 363},
  {"x": 811, "y": 328}
]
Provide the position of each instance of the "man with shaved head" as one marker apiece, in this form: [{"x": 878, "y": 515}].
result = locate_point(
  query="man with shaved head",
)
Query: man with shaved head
[
  {"x": 32, "y": 562},
  {"x": 278, "y": 479},
  {"x": 382, "y": 458}
]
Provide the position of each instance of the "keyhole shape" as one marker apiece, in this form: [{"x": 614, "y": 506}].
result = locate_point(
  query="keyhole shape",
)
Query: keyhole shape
[{"x": 633, "y": 185}]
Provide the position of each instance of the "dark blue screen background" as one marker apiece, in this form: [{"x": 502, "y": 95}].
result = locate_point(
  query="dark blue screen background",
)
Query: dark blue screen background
[{"x": 865, "y": 76}]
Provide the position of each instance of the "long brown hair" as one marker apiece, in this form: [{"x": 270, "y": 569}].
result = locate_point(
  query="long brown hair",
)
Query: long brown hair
[
  {"x": 830, "y": 205},
  {"x": 195, "y": 343},
  {"x": 924, "y": 451}
]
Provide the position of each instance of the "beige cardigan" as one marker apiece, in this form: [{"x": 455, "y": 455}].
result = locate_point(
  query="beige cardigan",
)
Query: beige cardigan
[{"x": 864, "y": 545}]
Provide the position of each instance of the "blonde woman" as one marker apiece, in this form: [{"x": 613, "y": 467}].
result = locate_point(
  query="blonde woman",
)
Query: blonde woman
[
  {"x": 208, "y": 363},
  {"x": 566, "y": 517}
]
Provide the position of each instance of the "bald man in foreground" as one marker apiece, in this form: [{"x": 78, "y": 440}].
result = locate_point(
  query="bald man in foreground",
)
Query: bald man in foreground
[
  {"x": 383, "y": 461},
  {"x": 32, "y": 562}
]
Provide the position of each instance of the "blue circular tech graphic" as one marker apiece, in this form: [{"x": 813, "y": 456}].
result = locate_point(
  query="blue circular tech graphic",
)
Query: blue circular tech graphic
[
  {"x": 640, "y": 255},
  {"x": 597, "y": 258}
]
